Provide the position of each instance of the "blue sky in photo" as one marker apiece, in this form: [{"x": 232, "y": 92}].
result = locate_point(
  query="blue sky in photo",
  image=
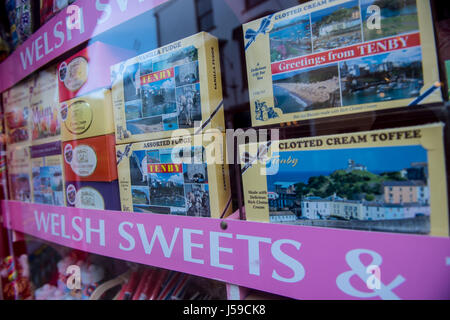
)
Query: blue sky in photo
[
  {"x": 296, "y": 20},
  {"x": 174, "y": 177},
  {"x": 153, "y": 154},
  {"x": 140, "y": 155},
  {"x": 165, "y": 156},
  {"x": 318, "y": 15},
  {"x": 377, "y": 159}
]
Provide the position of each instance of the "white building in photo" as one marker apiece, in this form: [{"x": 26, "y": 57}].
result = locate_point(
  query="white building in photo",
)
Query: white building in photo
[
  {"x": 282, "y": 216},
  {"x": 338, "y": 26}
]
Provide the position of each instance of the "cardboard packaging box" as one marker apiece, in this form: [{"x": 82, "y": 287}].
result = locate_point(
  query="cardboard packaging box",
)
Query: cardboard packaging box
[
  {"x": 179, "y": 176},
  {"x": 16, "y": 104},
  {"x": 18, "y": 157},
  {"x": 169, "y": 88},
  {"x": 323, "y": 59},
  {"x": 88, "y": 70},
  {"x": 87, "y": 116},
  {"x": 93, "y": 195},
  {"x": 90, "y": 159},
  {"x": 389, "y": 180},
  {"x": 45, "y": 117},
  {"x": 47, "y": 174}
]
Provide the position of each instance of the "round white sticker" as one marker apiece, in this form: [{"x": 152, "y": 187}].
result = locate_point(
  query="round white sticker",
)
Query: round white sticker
[
  {"x": 89, "y": 198},
  {"x": 77, "y": 73},
  {"x": 84, "y": 160}
]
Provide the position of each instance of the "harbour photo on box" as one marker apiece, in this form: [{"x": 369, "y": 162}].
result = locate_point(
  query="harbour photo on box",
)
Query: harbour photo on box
[
  {"x": 383, "y": 77},
  {"x": 376, "y": 188}
]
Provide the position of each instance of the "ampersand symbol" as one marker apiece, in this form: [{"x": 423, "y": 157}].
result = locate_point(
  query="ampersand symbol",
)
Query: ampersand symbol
[{"x": 359, "y": 269}]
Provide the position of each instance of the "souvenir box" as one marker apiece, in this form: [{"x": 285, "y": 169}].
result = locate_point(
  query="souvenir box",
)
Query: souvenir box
[
  {"x": 45, "y": 117},
  {"x": 90, "y": 159},
  {"x": 88, "y": 70},
  {"x": 385, "y": 180},
  {"x": 16, "y": 105},
  {"x": 329, "y": 58},
  {"x": 177, "y": 176},
  {"x": 47, "y": 174},
  {"x": 93, "y": 195},
  {"x": 18, "y": 159},
  {"x": 87, "y": 116},
  {"x": 173, "y": 87}
]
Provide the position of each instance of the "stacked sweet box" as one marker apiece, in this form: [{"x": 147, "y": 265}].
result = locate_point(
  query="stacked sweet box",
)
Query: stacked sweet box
[
  {"x": 47, "y": 183},
  {"x": 91, "y": 173},
  {"x": 18, "y": 158},
  {"x": 47, "y": 174},
  {"x": 166, "y": 103},
  {"x": 16, "y": 104},
  {"x": 87, "y": 133}
]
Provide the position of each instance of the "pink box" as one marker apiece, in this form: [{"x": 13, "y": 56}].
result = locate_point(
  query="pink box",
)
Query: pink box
[{"x": 88, "y": 69}]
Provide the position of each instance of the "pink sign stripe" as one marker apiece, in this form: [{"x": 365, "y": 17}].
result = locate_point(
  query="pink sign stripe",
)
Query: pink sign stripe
[
  {"x": 294, "y": 261},
  {"x": 69, "y": 28}
]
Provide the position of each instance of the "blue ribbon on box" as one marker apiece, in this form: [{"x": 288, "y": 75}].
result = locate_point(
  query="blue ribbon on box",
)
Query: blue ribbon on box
[
  {"x": 125, "y": 153},
  {"x": 252, "y": 34}
]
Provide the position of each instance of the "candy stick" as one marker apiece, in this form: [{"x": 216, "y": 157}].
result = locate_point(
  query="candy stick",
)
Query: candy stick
[
  {"x": 157, "y": 285},
  {"x": 180, "y": 287},
  {"x": 166, "y": 293},
  {"x": 147, "y": 291},
  {"x": 128, "y": 287},
  {"x": 11, "y": 268}
]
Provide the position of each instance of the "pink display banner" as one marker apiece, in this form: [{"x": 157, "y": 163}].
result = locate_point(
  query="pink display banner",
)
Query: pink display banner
[
  {"x": 294, "y": 261},
  {"x": 72, "y": 26}
]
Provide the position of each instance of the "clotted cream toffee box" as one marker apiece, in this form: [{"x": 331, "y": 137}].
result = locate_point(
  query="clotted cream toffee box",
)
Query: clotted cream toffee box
[
  {"x": 329, "y": 58},
  {"x": 169, "y": 88},
  {"x": 174, "y": 176},
  {"x": 386, "y": 180}
]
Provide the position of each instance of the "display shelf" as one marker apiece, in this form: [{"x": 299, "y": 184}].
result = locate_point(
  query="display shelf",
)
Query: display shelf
[
  {"x": 293, "y": 261},
  {"x": 69, "y": 28}
]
